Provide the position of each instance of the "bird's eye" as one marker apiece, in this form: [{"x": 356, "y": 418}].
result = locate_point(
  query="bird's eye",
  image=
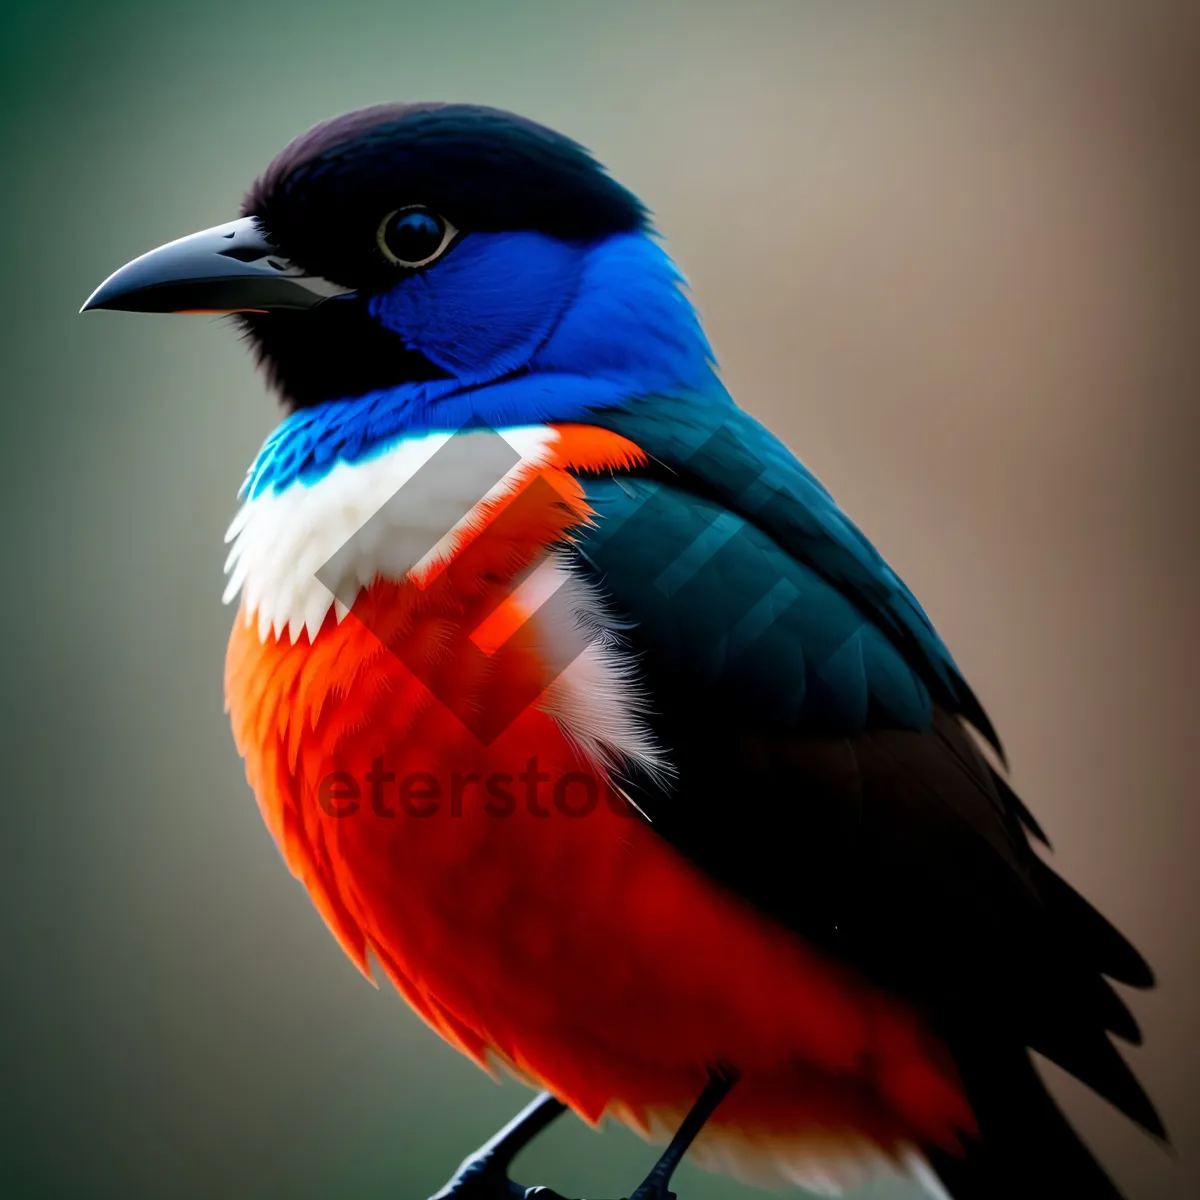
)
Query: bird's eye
[{"x": 414, "y": 236}]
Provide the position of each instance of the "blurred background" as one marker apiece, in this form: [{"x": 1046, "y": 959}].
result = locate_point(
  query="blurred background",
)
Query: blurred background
[{"x": 945, "y": 250}]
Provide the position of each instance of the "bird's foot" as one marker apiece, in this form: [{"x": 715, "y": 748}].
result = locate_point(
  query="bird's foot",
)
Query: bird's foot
[
  {"x": 485, "y": 1179},
  {"x": 653, "y": 1187},
  {"x": 480, "y": 1178},
  {"x": 484, "y": 1176}
]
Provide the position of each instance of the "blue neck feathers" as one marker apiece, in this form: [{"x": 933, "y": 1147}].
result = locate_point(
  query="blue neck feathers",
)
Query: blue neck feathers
[{"x": 531, "y": 330}]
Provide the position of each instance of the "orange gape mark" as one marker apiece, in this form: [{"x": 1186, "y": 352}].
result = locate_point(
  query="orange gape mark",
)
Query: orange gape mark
[{"x": 524, "y": 911}]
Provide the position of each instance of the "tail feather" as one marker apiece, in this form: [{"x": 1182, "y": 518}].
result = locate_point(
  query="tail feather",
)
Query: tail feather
[
  {"x": 1115, "y": 1015},
  {"x": 1110, "y": 951},
  {"x": 1092, "y": 1058},
  {"x": 1025, "y": 1147}
]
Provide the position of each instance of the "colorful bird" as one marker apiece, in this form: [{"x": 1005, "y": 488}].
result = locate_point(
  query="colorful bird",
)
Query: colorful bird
[{"x": 576, "y": 702}]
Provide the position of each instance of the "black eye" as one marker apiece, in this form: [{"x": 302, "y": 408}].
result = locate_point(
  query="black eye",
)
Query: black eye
[{"x": 414, "y": 236}]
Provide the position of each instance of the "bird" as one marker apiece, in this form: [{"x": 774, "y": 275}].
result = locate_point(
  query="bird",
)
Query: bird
[{"x": 588, "y": 718}]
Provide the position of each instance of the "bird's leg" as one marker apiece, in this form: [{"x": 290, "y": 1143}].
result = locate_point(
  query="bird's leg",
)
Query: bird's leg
[
  {"x": 655, "y": 1185},
  {"x": 484, "y": 1175}
]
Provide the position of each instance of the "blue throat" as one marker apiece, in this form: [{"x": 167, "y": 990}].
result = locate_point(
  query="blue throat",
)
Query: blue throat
[{"x": 532, "y": 329}]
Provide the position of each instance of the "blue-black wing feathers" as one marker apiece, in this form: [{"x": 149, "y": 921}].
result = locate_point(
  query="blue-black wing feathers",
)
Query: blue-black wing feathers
[
  {"x": 815, "y": 721},
  {"x": 712, "y": 448}
]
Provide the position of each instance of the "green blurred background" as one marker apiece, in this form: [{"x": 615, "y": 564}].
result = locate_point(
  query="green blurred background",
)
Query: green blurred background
[{"x": 944, "y": 249}]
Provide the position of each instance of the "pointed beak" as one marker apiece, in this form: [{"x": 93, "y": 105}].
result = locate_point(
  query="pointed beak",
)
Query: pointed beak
[{"x": 229, "y": 268}]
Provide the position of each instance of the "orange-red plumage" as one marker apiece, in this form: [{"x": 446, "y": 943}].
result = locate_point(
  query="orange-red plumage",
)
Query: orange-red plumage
[{"x": 580, "y": 951}]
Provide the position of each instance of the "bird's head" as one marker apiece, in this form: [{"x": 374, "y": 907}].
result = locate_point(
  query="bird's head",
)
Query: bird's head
[{"x": 434, "y": 263}]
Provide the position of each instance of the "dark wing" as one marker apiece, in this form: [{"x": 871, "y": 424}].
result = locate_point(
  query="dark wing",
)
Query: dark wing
[
  {"x": 710, "y": 448},
  {"x": 824, "y": 772}
]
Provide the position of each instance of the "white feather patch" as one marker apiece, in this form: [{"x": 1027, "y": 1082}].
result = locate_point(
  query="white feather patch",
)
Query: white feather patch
[
  {"x": 282, "y": 539},
  {"x": 596, "y": 700}
]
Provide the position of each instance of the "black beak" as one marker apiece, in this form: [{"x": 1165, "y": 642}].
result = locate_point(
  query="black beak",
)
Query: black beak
[{"x": 229, "y": 268}]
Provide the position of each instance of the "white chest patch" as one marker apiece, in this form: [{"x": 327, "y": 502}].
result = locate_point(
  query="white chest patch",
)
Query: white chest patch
[{"x": 298, "y": 552}]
